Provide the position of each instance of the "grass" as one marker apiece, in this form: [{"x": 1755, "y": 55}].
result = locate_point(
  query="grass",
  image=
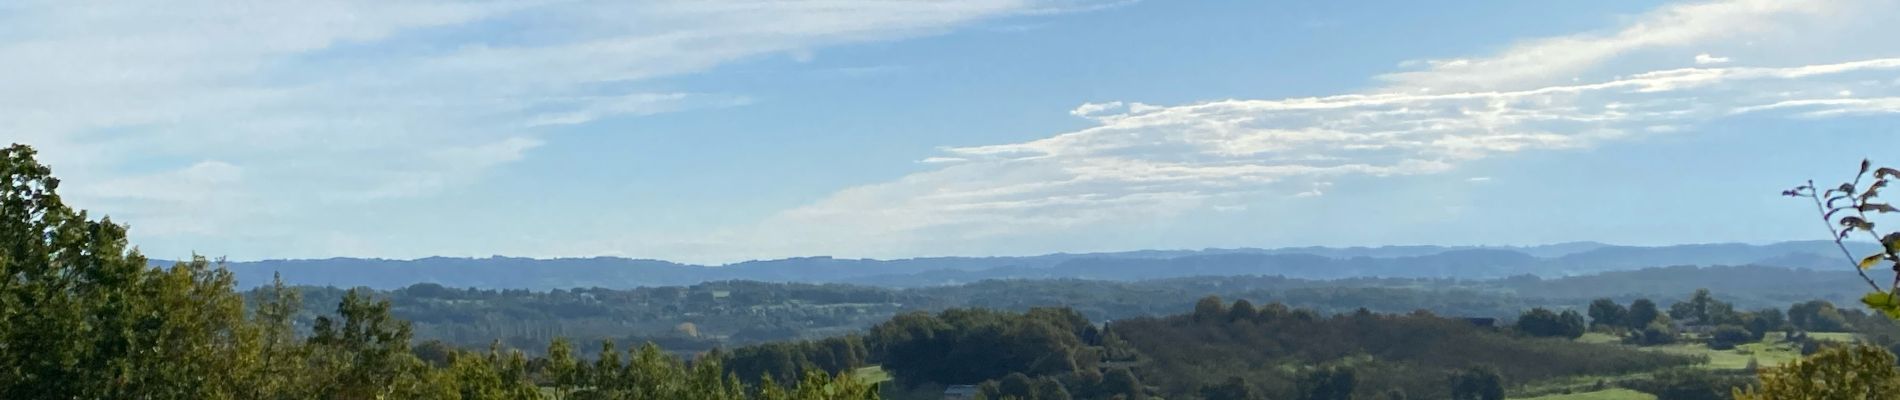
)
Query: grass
[
  {"x": 1843, "y": 337},
  {"x": 871, "y": 374},
  {"x": 1764, "y": 354},
  {"x": 1771, "y": 351},
  {"x": 1606, "y": 394},
  {"x": 1599, "y": 338},
  {"x": 1573, "y": 383}
]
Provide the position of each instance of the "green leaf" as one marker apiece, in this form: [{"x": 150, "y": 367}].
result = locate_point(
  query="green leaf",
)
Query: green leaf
[
  {"x": 1857, "y": 223},
  {"x": 1886, "y": 172},
  {"x": 1892, "y": 241},
  {"x": 1887, "y": 303},
  {"x": 1875, "y": 207},
  {"x": 1871, "y": 261}
]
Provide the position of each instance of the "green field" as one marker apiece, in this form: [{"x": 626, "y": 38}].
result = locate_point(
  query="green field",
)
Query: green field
[
  {"x": 1771, "y": 351},
  {"x": 871, "y": 374},
  {"x": 1599, "y": 337},
  {"x": 1606, "y": 394},
  {"x": 1764, "y": 354},
  {"x": 1843, "y": 337}
]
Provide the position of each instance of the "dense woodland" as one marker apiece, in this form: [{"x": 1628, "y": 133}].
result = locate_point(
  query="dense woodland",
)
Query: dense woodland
[
  {"x": 701, "y": 317},
  {"x": 1239, "y": 350}
]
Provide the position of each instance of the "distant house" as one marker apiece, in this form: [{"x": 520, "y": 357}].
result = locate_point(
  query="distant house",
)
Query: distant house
[
  {"x": 959, "y": 392},
  {"x": 1482, "y": 322}
]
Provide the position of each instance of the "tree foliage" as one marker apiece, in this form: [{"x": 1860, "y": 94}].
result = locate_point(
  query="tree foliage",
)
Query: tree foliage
[
  {"x": 1477, "y": 383},
  {"x": 1817, "y": 316},
  {"x": 1852, "y": 372},
  {"x": 1643, "y": 312},
  {"x": 1412, "y": 352},
  {"x": 83, "y": 316},
  {"x": 1328, "y": 383},
  {"x": 1606, "y": 314},
  {"x": 963, "y": 346},
  {"x": 1542, "y": 322}
]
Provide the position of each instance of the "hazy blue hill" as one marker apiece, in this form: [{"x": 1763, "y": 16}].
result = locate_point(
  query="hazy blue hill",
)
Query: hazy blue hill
[
  {"x": 494, "y": 272},
  {"x": 1557, "y": 260},
  {"x": 1562, "y": 249},
  {"x": 1623, "y": 257},
  {"x": 1748, "y": 286}
]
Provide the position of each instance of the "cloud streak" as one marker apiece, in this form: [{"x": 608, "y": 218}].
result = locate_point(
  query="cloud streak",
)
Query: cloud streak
[
  {"x": 329, "y": 103},
  {"x": 1144, "y": 162}
]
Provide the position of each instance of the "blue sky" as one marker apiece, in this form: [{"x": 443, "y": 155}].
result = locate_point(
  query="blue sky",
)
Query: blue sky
[{"x": 725, "y": 131}]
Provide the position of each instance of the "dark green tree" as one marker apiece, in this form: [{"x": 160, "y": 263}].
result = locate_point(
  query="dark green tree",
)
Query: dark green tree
[
  {"x": 1542, "y": 322},
  {"x": 1606, "y": 314},
  {"x": 1642, "y": 313},
  {"x": 1242, "y": 310},
  {"x": 1477, "y": 384},
  {"x": 1761, "y": 322},
  {"x": 1234, "y": 388},
  {"x": 1121, "y": 382},
  {"x": 1817, "y": 316},
  {"x": 1703, "y": 309},
  {"x": 1657, "y": 333},
  {"x": 1210, "y": 308},
  {"x": 1728, "y": 336},
  {"x": 1394, "y": 394},
  {"x": 1329, "y": 383}
]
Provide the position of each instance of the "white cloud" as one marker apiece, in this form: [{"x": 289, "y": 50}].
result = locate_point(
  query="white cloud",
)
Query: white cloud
[
  {"x": 581, "y": 110},
  {"x": 198, "y": 198},
  {"x": 339, "y": 101},
  {"x": 941, "y": 160},
  {"x": 1550, "y": 60},
  {"x": 437, "y": 169},
  {"x": 1318, "y": 189},
  {"x": 1089, "y": 110},
  {"x": 1705, "y": 58},
  {"x": 1816, "y": 108}
]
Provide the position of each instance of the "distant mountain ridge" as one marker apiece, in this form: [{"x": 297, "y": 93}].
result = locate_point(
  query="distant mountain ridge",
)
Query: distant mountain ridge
[{"x": 1459, "y": 262}]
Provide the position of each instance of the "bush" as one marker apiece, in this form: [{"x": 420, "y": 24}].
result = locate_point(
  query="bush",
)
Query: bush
[
  {"x": 1477, "y": 384},
  {"x": 1541, "y": 322},
  {"x": 1657, "y": 333},
  {"x": 1728, "y": 336}
]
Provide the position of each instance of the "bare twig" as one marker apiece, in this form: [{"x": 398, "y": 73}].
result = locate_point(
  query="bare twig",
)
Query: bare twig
[{"x": 1839, "y": 241}]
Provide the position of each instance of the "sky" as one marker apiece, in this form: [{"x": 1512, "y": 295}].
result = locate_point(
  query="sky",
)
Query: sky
[{"x": 723, "y": 131}]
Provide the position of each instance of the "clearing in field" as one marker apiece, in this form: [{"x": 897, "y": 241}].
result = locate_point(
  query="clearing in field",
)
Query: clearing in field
[
  {"x": 1606, "y": 394},
  {"x": 871, "y": 374}
]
